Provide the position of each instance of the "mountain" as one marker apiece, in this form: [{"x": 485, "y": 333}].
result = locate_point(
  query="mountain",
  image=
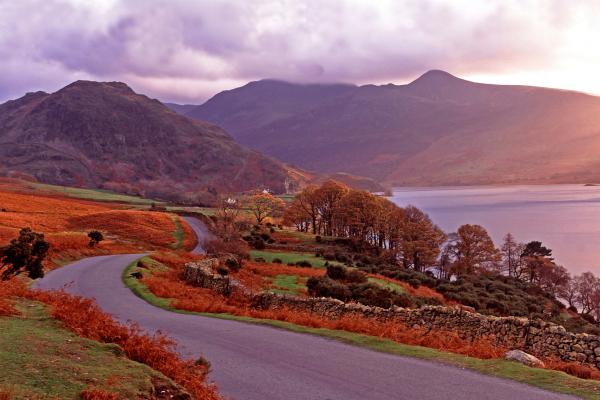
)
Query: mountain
[
  {"x": 436, "y": 130},
  {"x": 103, "y": 134}
]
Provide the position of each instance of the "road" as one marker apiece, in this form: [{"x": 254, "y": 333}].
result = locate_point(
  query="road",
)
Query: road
[{"x": 252, "y": 362}]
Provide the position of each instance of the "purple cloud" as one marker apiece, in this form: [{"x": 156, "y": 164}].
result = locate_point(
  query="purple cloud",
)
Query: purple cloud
[{"x": 188, "y": 50}]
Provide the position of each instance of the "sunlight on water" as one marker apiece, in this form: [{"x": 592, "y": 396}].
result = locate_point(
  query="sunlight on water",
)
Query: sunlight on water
[{"x": 564, "y": 217}]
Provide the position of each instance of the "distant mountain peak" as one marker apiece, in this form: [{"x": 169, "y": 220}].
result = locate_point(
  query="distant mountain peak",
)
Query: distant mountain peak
[
  {"x": 84, "y": 84},
  {"x": 436, "y": 76}
]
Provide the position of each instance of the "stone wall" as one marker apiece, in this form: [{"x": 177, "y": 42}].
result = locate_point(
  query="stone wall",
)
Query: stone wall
[
  {"x": 201, "y": 274},
  {"x": 537, "y": 337},
  {"x": 543, "y": 339}
]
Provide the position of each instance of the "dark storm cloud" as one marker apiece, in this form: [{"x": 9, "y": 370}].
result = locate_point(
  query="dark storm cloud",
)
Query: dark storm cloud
[{"x": 187, "y": 50}]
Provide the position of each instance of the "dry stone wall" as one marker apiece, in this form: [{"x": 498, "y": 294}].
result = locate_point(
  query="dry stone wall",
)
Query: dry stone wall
[
  {"x": 543, "y": 339},
  {"x": 537, "y": 337}
]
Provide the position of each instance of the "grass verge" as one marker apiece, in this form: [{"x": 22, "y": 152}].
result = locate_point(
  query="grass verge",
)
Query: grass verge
[
  {"x": 290, "y": 257},
  {"x": 554, "y": 381},
  {"x": 41, "y": 360},
  {"x": 178, "y": 233},
  {"x": 91, "y": 194}
]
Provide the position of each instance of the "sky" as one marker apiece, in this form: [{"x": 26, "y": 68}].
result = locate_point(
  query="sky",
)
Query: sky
[{"x": 188, "y": 50}]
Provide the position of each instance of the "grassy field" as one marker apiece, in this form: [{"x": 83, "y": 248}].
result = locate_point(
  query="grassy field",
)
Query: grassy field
[
  {"x": 290, "y": 257},
  {"x": 388, "y": 285},
  {"x": 555, "y": 381},
  {"x": 287, "y": 284},
  {"x": 90, "y": 194},
  {"x": 40, "y": 360},
  {"x": 208, "y": 211}
]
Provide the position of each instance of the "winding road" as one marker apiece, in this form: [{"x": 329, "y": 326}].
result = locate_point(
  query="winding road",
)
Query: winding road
[{"x": 253, "y": 362}]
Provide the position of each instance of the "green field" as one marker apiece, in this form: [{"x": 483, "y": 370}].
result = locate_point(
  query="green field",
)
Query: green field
[
  {"x": 287, "y": 284},
  {"x": 208, "y": 211},
  {"x": 41, "y": 360},
  {"x": 291, "y": 257},
  {"x": 90, "y": 194},
  {"x": 387, "y": 285}
]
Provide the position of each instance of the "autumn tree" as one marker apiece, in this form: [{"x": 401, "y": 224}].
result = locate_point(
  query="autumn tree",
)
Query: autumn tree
[
  {"x": 512, "y": 252},
  {"x": 536, "y": 258},
  {"x": 474, "y": 250},
  {"x": 264, "y": 205},
  {"x": 356, "y": 215},
  {"x": 24, "y": 254},
  {"x": 554, "y": 278},
  {"x": 419, "y": 240},
  {"x": 304, "y": 208},
  {"x": 327, "y": 197},
  {"x": 588, "y": 293},
  {"x": 568, "y": 292},
  {"x": 227, "y": 219}
]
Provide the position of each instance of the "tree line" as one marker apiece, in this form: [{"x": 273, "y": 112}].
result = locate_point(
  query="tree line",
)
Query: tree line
[{"x": 408, "y": 237}]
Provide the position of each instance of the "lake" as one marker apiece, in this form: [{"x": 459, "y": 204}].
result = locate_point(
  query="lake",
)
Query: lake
[{"x": 566, "y": 218}]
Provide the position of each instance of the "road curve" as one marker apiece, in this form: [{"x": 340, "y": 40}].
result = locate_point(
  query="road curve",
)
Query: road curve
[{"x": 252, "y": 362}]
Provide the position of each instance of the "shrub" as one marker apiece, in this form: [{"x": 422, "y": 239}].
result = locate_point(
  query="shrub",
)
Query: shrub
[
  {"x": 260, "y": 259},
  {"x": 318, "y": 239},
  {"x": 339, "y": 273},
  {"x": 304, "y": 264},
  {"x": 95, "y": 238},
  {"x": 233, "y": 263},
  {"x": 258, "y": 244},
  {"x": 277, "y": 261},
  {"x": 336, "y": 272},
  {"x": 414, "y": 283},
  {"x": 265, "y": 236},
  {"x": 325, "y": 287},
  {"x": 24, "y": 254},
  {"x": 355, "y": 276}
]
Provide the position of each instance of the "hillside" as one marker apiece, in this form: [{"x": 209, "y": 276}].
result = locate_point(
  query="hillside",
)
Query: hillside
[
  {"x": 437, "y": 130},
  {"x": 104, "y": 135}
]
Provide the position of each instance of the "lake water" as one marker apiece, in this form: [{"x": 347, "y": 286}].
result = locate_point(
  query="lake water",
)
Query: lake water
[{"x": 566, "y": 218}]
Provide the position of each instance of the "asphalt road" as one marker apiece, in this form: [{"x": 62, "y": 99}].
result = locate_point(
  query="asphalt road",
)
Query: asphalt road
[{"x": 251, "y": 362}]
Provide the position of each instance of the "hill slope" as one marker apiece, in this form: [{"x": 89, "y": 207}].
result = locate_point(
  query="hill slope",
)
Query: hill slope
[
  {"x": 437, "y": 130},
  {"x": 105, "y": 135}
]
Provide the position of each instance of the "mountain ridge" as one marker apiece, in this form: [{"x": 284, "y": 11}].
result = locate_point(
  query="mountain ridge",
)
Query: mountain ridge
[
  {"x": 103, "y": 134},
  {"x": 436, "y": 130}
]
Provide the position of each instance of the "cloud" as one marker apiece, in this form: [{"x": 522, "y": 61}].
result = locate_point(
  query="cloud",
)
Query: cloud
[{"x": 188, "y": 50}]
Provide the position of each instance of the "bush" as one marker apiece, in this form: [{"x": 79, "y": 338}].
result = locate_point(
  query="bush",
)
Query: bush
[
  {"x": 258, "y": 244},
  {"x": 318, "y": 239},
  {"x": 233, "y": 263},
  {"x": 265, "y": 236},
  {"x": 325, "y": 287},
  {"x": 304, "y": 264},
  {"x": 259, "y": 259},
  {"x": 336, "y": 272},
  {"x": 414, "y": 283},
  {"x": 277, "y": 261}
]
